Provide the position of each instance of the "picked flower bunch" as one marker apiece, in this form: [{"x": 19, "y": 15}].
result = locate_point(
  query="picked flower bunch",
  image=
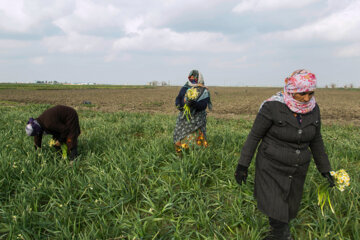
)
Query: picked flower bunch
[
  {"x": 52, "y": 143},
  {"x": 191, "y": 94},
  {"x": 342, "y": 180}
]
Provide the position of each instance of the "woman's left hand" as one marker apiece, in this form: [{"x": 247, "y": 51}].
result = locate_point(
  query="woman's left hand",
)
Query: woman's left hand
[
  {"x": 241, "y": 174},
  {"x": 330, "y": 179},
  {"x": 191, "y": 103}
]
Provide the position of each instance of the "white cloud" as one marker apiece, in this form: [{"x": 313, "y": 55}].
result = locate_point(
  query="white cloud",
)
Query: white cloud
[
  {"x": 23, "y": 16},
  {"x": 180, "y": 60},
  {"x": 9, "y": 43},
  {"x": 114, "y": 57},
  {"x": 266, "y": 5},
  {"x": 133, "y": 25},
  {"x": 37, "y": 60},
  {"x": 178, "y": 34},
  {"x": 350, "y": 51},
  {"x": 152, "y": 39},
  {"x": 9, "y": 47},
  {"x": 89, "y": 16},
  {"x": 339, "y": 26},
  {"x": 241, "y": 62},
  {"x": 76, "y": 43}
]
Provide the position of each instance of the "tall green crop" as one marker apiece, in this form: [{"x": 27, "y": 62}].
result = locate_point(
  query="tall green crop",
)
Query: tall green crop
[{"x": 128, "y": 183}]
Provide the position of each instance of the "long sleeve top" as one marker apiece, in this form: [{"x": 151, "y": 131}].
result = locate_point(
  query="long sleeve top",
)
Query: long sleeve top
[
  {"x": 198, "y": 105},
  {"x": 60, "y": 121}
]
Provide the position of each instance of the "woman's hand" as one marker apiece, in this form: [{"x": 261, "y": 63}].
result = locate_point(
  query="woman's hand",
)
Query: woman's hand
[
  {"x": 57, "y": 143},
  {"x": 191, "y": 103},
  {"x": 241, "y": 174},
  {"x": 180, "y": 108},
  {"x": 329, "y": 178}
]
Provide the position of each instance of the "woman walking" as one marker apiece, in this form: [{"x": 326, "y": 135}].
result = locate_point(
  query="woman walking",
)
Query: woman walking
[
  {"x": 288, "y": 125},
  {"x": 190, "y": 129}
]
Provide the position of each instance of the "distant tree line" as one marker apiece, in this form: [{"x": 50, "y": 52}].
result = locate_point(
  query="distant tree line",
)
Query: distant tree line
[
  {"x": 157, "y": 83},
  {"x": 333, "y": 85},
  {"x": 47, "y": 82}
]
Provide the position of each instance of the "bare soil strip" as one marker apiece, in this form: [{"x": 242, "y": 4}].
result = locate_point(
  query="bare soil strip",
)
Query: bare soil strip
[{"x": 338, "y": 106}]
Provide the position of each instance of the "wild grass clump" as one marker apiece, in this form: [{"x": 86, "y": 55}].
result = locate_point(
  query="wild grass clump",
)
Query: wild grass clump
[{"x": 128, "y": 183}]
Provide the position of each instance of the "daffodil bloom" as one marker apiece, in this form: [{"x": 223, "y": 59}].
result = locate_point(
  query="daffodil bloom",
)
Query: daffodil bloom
[
  {"x": 342, "y": 180},
  {"x": 52, "y": 142},
  {"x": 191, "y": 94}
]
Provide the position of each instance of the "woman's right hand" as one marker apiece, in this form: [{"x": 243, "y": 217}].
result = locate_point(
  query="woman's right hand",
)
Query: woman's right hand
[
  {"x": 241, "y": 174},
  {"x": 179, "y": 108}
]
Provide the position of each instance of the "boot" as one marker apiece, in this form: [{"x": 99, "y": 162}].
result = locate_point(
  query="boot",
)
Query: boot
[
  {"x": 278, "y": 230},
  {"x": 73, "y": 153}
]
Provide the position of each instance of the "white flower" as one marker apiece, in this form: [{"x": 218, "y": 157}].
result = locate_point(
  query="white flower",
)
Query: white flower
[{"x": 20, "y": 236}]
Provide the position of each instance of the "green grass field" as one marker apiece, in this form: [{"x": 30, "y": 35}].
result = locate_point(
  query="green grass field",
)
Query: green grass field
[{"x": 129, "y": 184}]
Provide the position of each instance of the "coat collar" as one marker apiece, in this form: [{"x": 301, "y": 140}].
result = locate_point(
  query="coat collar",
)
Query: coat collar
[{"x": 291, "y": 119}]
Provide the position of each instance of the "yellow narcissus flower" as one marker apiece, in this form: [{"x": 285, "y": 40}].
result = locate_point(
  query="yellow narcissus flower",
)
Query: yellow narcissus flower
[
  {"x": 342, "y": 179},
  {"x": 191, "y": 94},
  {"x": 52, "y": 142}
]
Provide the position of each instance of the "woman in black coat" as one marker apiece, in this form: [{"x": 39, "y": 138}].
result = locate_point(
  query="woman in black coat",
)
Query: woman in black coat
[
  {"x": 288, "y": 127},
  {"x": 61, "y": 122}
]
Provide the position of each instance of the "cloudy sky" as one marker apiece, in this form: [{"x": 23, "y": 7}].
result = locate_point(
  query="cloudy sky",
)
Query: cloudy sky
[{"x": 233, "y": 43}]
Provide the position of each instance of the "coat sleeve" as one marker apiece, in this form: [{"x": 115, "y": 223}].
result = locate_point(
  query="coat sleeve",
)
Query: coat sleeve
[
  {"x": 38, "y": 140},
  {"x": 318, "y": 151},
  {"x": 202, "y": 104},
  {"x": 179, "y": 101},
  {"x": 262, "y": 123}
]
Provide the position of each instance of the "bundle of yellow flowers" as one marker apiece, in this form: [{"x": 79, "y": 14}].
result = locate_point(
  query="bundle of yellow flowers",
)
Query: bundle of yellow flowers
[
  {"x": 342, "y": 180},
  {"x": 191, "y": 94},
  {"x": 52, "y": 143}
]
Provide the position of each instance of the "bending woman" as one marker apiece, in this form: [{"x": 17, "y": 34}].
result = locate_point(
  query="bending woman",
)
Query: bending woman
[
  {"x": 191, "y": 131},
  {"x": 61, "y": 122},
  {"x": 288, "y": 124}
]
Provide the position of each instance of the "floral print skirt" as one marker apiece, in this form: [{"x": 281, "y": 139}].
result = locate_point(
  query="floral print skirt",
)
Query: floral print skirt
[{"x": 195, "y": 138}]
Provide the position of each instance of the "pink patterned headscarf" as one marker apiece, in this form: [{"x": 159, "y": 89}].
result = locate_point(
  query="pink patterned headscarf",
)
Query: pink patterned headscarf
[{"x": 299, "y": 81}]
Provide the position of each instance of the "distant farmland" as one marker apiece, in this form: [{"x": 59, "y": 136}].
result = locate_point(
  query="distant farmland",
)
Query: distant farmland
[{"x": 337, "y": 105}]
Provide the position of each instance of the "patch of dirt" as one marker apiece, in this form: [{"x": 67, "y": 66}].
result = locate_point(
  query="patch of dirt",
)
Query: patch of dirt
[{"x": 337, "y": 105}]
